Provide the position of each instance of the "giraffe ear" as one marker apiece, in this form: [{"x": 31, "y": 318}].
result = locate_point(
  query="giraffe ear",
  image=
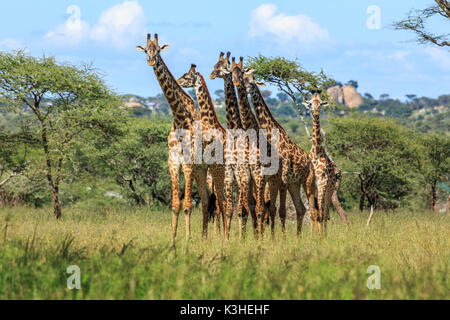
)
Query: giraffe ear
[
  {"x": 140, "y": 48},
  {"x": 260, "y": 83},
  {"x": 164, "y": 48}
]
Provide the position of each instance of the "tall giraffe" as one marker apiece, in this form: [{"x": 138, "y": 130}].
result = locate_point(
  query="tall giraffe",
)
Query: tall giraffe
[
  {"x": 210, "y": 125},
  {"x": 249, "y": 122},
  {"x": 324, "y": 169},
  {"x": 296, "y": 167},
  {"x": 234, "y": 170},
  {"x": 183, "y": 111}
]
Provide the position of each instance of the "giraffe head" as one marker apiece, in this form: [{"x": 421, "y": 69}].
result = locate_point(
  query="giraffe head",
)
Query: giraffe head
[
  {"x": 237, "y": 71},
  {"x": 222, "y": 68},
  {"x": 190, "y": 79},
  {"x": 152, "y": 49},
  {"x": 249, "y": 81},
  {"x": 316, "y": 102}
]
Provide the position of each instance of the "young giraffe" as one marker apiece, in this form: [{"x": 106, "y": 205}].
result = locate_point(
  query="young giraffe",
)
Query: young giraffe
[
  {"x": 235, "y": 171},
  {"x": 324, "y": 169},
  {"x": 296, "y": 167},
  {"x": 183, "y": 110},
  {"x": 249, "y": 122},
  {"x": 210, "y": 124}
]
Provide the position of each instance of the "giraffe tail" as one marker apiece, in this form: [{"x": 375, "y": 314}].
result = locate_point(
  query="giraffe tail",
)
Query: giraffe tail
[
  {"x": 212, "y": 206},
  {"x": 316, "y": 207},
  {"x": 266, "y": 207}
]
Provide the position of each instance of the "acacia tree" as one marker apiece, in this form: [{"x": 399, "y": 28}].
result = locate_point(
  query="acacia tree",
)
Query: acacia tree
[
  {"x": 417, "y": 23},
  {"x": 436, "y": 166},
  {"x": 290, "y": 78},
  {"x": 380, "y": 154},
  {"x": 69, "y": 104}
]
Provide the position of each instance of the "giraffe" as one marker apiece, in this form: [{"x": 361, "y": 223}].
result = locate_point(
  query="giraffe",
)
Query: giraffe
[
  {"x": 325, "y": 170},
  {"x": 210, "y": 125},
  {"x": 296, "y": 168},
  {"x": 249, "y": 122},
  {"x": 235, "y": 171},
  {"x": 184, "y": 114}
]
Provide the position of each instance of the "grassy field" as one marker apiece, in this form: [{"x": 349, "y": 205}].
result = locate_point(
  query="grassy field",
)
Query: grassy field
[{"x": 127, "y": 254}]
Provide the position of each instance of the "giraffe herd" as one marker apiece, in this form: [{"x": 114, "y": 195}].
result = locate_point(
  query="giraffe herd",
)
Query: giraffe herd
[{"x": 234, "y": 157}]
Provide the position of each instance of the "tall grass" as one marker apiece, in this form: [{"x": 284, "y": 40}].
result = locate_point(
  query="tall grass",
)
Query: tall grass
[{"x": 127, "y": 254}]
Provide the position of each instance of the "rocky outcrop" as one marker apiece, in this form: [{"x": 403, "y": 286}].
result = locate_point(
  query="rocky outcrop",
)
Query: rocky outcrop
[
  {"x": 352, "y": 98},
  {"x": 346, "y": 95},
  {"x": 336, "y": 94}
]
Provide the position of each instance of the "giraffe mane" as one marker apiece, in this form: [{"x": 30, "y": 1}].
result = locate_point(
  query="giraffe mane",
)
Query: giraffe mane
[
  {"x": 202, "y": 79},
  {"x": 179, "y": 87},
  {"x": 277, "y": 124}
]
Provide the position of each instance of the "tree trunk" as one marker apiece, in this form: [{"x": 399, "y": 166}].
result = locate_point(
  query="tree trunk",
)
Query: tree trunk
[
  {"x": 337, "y": 204},
  {"x": 56, "y": 204},
  {"x": 433, "y": 196},
  {"x": 361, "y": 202},
  {"x": 53, "y": 186},
  {"x": 370, "y": 215}
]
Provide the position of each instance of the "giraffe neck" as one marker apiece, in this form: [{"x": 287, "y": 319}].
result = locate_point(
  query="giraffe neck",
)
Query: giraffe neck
[
  {"x": 206, "y": 106},
  {"x": 248, "y": 118},
  {"x": 175, "y": 96},
  {"x": 316, "y": 138},
  {"x": 265, "y": 117},
  {"x": 231, "y": 102}
]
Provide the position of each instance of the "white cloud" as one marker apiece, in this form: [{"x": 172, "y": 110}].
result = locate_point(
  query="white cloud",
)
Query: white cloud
[
  {"x": 439, "y": 56},
  {"x": 10, "y": 44},
  {"x": 301, "y": 28},
  {"x": 120, "y": 23},
  {"x": 399, "y": 55},
  {"x": 72, "y": 31},
  {"x": 117, "y": 25}
]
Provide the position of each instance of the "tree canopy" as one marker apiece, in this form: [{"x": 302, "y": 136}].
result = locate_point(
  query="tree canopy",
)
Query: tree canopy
[
  {"x": 418, "y": 21},
  {"x": 68, "y": 104},
  {"x": 379, "y": 157}
]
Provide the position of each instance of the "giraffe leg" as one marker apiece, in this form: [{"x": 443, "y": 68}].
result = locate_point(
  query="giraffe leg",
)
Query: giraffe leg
[
  {"x": 252, "y": 203},
  {"x": 259, "y": 183},
  {"x": 328, "y": 196},
  {"x": 213, "y": 188},
  {"x": 218, "y": 178},
  {"x": 311, "y": 189},
  {"x": 282, "y": 209},
  {"x": 174, "y": 170},
  {"x": 320, "y": 200},
  {"x": 200, "y": 179},
  {"x": 285, "y": 167},
  {"x": 274, "y": 186},
  {"x": 229, "y": 179},
  {"x": 300, "y": 210},
  {"x": 243, "y": 192},
  {"x": 187, "y": 202}
]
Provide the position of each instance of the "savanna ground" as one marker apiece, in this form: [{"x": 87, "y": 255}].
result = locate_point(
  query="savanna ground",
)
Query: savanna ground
[{"x": 127, "y": 254}]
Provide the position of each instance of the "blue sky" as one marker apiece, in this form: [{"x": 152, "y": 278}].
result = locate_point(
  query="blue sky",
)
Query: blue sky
[{"x": 332, "y": 35}]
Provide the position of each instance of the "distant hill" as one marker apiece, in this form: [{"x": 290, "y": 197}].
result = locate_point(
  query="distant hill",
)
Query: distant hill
[{"x": 422, "y": 113}]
